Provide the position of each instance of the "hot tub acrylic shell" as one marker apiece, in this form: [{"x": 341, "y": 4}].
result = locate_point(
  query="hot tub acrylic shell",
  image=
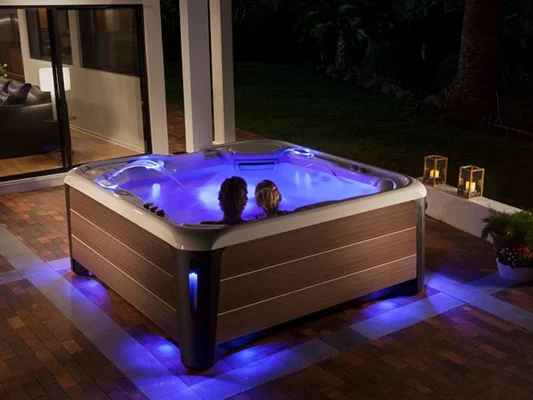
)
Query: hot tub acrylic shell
[{"x": 206, "y": 285}]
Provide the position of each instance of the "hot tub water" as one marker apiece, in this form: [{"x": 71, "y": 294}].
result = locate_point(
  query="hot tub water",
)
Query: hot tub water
[{"x": 195, "y": 198}]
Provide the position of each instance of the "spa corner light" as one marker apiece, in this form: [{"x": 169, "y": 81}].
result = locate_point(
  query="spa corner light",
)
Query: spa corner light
[
  {"x": 471, "y": 181},
  {"x": 435, "y": 170}
]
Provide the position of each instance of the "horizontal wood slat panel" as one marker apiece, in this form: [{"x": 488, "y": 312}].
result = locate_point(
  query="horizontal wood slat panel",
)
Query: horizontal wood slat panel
[
  {"x": 140, "y": 240},
  {"x": 270, "y": 313},
  {"x": 250, "y": 288},
  {"x": 138, "y": 268},
  {"x": 260, "y": 253},
  {"x": 154, "y": 308}
]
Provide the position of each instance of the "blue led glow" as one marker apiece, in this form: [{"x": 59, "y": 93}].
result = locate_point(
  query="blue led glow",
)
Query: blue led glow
[
  {"x": 156, "y": 191},
  {"x": 167, "y": 349},
  {"x": 193, "y": 290}
]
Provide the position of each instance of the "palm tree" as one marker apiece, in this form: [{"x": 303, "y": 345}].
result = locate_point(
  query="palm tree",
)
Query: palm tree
[
  {"x": 341, "y": 19},
  {"x": 480, "y": 60}
]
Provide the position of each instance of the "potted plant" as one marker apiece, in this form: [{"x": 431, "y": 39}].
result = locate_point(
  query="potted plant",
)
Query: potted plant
[
  {"x": 508, "y": 230},
  {"x": 516, "y": 263},
  {"x": 3, "y": 70}
]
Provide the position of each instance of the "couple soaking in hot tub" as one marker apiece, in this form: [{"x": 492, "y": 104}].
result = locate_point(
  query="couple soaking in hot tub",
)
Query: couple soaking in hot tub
[{"x": 233, "y": 196}]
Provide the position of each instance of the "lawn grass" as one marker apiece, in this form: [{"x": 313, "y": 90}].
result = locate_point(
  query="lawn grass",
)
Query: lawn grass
[{"x": 299, "y": 105}]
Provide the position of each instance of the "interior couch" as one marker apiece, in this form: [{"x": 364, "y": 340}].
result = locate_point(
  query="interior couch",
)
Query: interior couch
[{"x": 27, "y": 126}]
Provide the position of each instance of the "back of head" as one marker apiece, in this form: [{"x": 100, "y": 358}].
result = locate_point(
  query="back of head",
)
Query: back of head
[
  {"x": 233, "y": 196},
  {"x": 267, "y": 196}
]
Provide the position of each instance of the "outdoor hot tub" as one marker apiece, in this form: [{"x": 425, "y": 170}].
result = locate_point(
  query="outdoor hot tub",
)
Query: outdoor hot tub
[{"x": 353, "y": 230}]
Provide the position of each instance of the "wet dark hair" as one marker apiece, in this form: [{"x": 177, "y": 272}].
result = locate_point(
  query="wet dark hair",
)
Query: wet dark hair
[{"x": 233, "y": 196}]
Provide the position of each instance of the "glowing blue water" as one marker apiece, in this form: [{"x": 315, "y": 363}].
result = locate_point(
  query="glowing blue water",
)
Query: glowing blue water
[{"x": 197, "y": 200}]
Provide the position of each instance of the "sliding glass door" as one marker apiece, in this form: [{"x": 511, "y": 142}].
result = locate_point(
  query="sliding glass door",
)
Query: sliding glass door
[
  {"x": 30, "y": 131},
  {"x": 85, "y": 68}
]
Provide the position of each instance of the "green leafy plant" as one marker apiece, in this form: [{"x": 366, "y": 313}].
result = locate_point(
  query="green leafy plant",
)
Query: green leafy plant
[
  {"x": 497, "y": 222},
  {"x": 3, "y": 70},
  {"x": 520, "y": 227},
  {"x": 517, "y": 226}
]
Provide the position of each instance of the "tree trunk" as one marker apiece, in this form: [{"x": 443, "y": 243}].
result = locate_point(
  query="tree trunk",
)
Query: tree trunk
[
  {"x": 480, "y": 60},
  {"x": 340, "y": 54}
]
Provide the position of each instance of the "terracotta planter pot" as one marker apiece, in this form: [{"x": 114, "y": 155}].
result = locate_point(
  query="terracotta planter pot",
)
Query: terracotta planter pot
[{"x": 523, "y": 275}]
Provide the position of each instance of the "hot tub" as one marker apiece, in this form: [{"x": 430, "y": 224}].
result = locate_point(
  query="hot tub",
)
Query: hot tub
[{"x": 352, "y": 230}]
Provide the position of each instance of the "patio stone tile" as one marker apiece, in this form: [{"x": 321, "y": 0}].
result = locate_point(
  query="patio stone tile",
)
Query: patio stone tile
[
  {"x": 185, "y": 394},
  {"x": 372, "y": 328},
  {"x": 220, "y": 387},
  {"x": 492, "y": 305},
  {"x": 285, "y": 362},
  {"x": 491, "y": 283},
  {"x": 345, "y": 339},
  {"x": 314, "y": 351}
]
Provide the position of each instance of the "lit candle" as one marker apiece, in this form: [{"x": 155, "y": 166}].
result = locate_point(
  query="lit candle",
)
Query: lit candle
[
  {"x": 434, "y": 173},
  {"x": 470, "y": 186}
]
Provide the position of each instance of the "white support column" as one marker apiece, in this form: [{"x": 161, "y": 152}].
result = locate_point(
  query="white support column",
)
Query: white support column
[
  {"x": 222, "y": 70},
  {"x": 156, "y": 77},
  {"x": 194, "y": 17}
]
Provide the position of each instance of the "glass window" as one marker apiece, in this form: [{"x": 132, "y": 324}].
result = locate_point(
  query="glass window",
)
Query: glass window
[
  {"x": 109, "y": 40},
  {"x": 39, "y": 38}
]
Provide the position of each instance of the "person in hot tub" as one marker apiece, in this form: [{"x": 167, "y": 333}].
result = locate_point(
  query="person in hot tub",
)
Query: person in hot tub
[
  {"x": 232, "y": 198},
  {"x": 268, "y": 197}
]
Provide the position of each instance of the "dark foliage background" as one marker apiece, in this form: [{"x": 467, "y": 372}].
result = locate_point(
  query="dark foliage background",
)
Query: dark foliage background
[{"x": 410, "y": 42}]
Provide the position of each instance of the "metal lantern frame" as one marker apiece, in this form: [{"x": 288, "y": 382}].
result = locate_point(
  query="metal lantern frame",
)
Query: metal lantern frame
[
  {"x": 435, "y": 170},
  {"x": 471, "y": 181}
]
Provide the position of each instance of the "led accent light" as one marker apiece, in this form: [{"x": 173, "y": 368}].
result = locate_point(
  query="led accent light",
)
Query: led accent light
[{"x": 193, "y": 290}]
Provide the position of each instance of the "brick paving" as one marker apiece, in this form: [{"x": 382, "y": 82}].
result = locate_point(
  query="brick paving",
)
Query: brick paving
[
  {"x": 43, "y": 356},
  {"x": 460, "y": 354},
  {"x": 520, "y": 295},
  {"x": 38, "y": 219},
  {"x": 457, "y": 255}
]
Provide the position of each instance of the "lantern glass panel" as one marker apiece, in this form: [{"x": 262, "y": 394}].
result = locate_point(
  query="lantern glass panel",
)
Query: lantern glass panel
[
  {"x": 471, "y": 181},
  {"x": 435, "y": 170}
]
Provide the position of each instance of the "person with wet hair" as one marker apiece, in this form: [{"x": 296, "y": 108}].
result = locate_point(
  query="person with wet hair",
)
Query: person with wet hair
[
  {"x": 268, "y": 197},
  {"x": 232, "y": 198}
]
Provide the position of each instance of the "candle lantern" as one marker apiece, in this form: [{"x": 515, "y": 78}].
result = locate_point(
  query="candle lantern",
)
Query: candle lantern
[
  {"x": 435, "y": 170},
  {"x": 471, "y": 181}
]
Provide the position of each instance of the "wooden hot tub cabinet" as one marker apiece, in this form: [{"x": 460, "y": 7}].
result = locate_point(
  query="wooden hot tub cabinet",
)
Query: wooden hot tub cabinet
[{"x": 250, "y": 286}]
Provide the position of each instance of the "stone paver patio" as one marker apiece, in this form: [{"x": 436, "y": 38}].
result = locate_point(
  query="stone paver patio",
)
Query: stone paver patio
[{"x": 468, "y": 335}]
